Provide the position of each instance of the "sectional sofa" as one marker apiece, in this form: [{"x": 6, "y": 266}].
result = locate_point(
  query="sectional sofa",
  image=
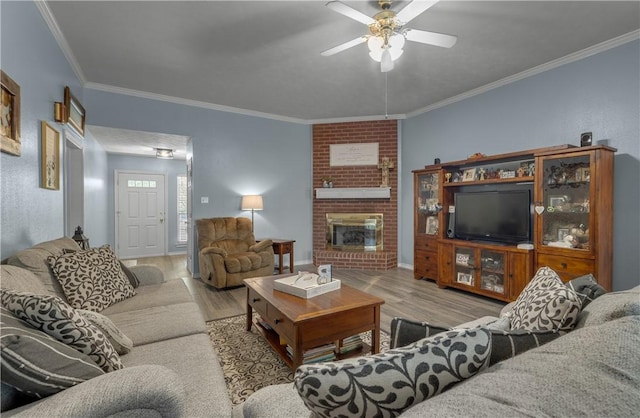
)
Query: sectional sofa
[{"x": 172, "y": 369}]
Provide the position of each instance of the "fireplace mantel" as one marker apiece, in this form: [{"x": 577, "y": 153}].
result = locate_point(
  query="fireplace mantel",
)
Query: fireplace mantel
[{"x": 353, "y": 193}]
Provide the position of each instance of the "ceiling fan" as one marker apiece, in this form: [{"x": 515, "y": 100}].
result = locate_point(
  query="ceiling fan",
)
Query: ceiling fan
[{"x": 388, "y": 32}]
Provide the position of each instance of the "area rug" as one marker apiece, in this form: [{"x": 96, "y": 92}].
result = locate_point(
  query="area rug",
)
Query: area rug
[{"x": 248, "y": 361}]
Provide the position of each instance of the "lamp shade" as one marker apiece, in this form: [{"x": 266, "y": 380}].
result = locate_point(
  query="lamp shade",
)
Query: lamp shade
[{"x": 251, "y": 202}]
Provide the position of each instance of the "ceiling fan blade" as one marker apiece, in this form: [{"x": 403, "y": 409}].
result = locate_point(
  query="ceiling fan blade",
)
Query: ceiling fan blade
[
  {"x": 343, "y": 9},
  {"x": 413, "y": 9},
  {"x": 431, "y": 38},
  {"x": 342, "y": 47}
]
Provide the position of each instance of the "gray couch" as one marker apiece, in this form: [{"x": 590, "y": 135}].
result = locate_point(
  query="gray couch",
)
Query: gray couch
[
  {"x": 172, "y": 370},
  {"x": 592, "y": 371}
]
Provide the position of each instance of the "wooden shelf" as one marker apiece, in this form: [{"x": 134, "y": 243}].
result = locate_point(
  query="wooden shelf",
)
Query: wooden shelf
[
  {"x": 273, "y": 339},
  {"x": 524, "y": 179}
]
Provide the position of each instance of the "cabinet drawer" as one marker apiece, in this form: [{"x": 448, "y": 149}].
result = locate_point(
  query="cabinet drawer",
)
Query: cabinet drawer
[
  {"x": 422, "y": 257},
  {"x": 282, "y": 248},
  {"x": 425, "y": 244},
  {"x": 257, "y": 302},
  {"x": 567, "y": 268},
  {"x": 279, "y": 323},
  {"x": 429, "y": 271}
]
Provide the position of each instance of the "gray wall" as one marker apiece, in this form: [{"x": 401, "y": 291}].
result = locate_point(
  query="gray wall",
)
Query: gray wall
[
  {"x": 233, "y": 155},
  {"x": 171, "y": 168},
  {"x": 600, "y": 93},
  {"x": 32, "y": 58}
]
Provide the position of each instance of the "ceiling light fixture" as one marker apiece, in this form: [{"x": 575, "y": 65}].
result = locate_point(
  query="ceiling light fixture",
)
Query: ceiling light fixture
[
  {"x": 387, "y": 31},
  {"x": 164, "y": 153}
]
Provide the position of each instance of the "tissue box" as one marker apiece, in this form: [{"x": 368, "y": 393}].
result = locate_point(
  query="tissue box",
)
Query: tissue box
[{"x": 286, "y": 284}]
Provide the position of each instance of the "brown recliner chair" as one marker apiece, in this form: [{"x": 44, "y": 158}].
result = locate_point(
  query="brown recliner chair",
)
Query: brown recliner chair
[{"x": 228, "y": 252}]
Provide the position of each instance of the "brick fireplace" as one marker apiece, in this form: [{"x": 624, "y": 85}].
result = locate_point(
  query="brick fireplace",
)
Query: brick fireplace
[{"x": 385, "y": 134}]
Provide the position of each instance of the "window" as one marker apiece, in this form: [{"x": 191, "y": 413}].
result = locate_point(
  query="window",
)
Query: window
[{"x": 182, "y": 208}]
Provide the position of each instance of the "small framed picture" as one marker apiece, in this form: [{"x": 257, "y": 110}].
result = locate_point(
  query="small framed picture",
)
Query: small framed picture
[
  {"x": 432, "y": 225},
  {"x": 469, "y": 174},
  {"x": 10, "y": 115},
  {"x": 75, "y": 113},
  {"x": 465, "y": 278},
  {"x": 562, "y": 232},
  {"x": 555, "y": 201},
  {"x": 462, "y": 259},
  {"x": 583, "y": 174},
  {"x": 50, "y": 157}
]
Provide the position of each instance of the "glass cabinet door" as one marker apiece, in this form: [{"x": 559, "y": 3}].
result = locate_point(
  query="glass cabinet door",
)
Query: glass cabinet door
[
  {"x": 428, "y": 203},
  {"x": 564, "y": 211},
  {"x": 465, "y": 269},
  {"x": 492, "y": 266}
]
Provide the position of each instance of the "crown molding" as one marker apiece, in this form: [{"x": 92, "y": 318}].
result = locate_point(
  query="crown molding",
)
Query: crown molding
[
  {"x": 51, "y": 22},
  {"x": 356, "y": 119},
  {"x": 189, "y": 102},
  {"x": 576, "y": 56}
]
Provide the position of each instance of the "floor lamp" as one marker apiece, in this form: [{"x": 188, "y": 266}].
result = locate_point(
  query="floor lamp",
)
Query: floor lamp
[{"x": 252, "y": 203}]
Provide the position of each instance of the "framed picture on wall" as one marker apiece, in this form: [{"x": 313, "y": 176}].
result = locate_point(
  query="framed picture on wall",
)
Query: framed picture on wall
[
  {"x": 10, "y": 115},
  {"x": 50, "y": 157},
  {"x": 75, "y": 113}
]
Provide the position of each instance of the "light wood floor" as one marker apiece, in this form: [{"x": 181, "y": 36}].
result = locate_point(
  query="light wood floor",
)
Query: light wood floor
[{"x": 404, "y": 296}]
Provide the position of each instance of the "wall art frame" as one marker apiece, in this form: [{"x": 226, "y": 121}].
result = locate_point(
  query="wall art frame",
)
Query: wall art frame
[
  {"x": 75, "y": 115},
  {"x": 10, "y": 115},
  {"x": 50, "y": 157}
]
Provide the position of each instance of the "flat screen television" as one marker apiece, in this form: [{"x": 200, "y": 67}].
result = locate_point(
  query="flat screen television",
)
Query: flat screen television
[{"x": 496, "y": 216}]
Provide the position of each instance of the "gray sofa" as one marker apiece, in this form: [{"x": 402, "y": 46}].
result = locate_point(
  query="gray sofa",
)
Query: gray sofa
[
  {"x": 592, "y": 371},
  {"x": 172, "y": 370}
]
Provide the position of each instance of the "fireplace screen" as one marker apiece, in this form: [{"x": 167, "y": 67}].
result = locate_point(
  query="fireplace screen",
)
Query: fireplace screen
[{"x": 354, "y": 231}]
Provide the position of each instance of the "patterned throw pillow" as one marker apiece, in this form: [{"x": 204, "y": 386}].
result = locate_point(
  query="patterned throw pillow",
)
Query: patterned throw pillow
[
  {"x": 36, "y": 364},
  {"x": 118, "y": 340},
  {"x": 546, "y": 304},
  {"x": 587, "y": 288},
  {"x": 91, "y": 279},
  {"x": 56, "y": 318},
  {"x": 406, "y": 331},
  {"x": 386, "y": 384}
]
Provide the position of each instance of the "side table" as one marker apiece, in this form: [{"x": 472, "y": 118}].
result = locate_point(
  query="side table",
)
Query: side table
[{"x": 282, "y": 247}]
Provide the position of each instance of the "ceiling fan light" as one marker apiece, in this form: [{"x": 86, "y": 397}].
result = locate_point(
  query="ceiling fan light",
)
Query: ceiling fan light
[
  {"x": 386, "y": 62},
  {"x": 397, "y": 41},
  {"x": 376, "y": 55},
  {"x": 375, "y": 43}
]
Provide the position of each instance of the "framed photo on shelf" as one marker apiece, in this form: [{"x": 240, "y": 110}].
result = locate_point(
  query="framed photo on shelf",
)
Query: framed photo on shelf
[
  {"x": 462, "y": 259},
  {"x": 465, "y": 278},
  {"x": 562, "y": 232},
  {"x": 432, "y": 225},
  {"x": 555, "y": 201},
  {"x": 50, "y": 157},
  {"x": 469, "y": 174},
  {"x": 583, "y": 174}
]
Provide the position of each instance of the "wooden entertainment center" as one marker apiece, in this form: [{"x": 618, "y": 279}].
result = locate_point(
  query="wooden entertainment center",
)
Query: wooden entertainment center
[{"x": 571, "y": 219}]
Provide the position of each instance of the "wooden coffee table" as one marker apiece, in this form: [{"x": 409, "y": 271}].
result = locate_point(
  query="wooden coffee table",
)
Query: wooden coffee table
[{"x": 307, "y": 323}]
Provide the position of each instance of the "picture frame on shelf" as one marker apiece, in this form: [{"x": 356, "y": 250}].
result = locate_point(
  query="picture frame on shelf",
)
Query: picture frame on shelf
[
  {"x": 562, "y": 233},
  {"x": 465, "y": 278},
  {"x": 50, "y": 157},
  {"x": 432, "y": 225},
  {"x": 469, "y": 174},
  {"x": 75, "y": 113},
  {"x": 556, "y": 201},
  {"x": 10, "y": 115},
  {"x": 583, "y": 174},
  {"x": 462, "y": 259}
]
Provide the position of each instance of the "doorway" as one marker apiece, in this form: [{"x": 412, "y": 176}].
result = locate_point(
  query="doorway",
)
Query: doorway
[
  {"x": 140, "y": 203},
  {"x": 73, "y": 185}
]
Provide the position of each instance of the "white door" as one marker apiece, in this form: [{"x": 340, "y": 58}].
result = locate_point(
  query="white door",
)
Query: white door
[{"x": 140, "y": 215}]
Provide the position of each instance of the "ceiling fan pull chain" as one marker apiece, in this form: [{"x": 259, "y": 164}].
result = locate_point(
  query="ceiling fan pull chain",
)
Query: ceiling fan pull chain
[{"x": 386, "y": 112}]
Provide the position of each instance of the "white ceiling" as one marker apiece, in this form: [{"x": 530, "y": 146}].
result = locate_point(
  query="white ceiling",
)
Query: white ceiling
[{"x": 263, "y": 57}]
